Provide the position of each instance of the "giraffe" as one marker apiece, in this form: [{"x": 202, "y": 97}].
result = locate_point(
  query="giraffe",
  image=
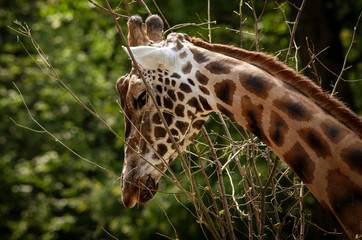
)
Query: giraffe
[{"x": 312, "y": 132}]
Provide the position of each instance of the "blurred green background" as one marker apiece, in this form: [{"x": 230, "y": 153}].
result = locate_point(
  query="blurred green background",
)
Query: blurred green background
[{"x": 46, "y": 191}]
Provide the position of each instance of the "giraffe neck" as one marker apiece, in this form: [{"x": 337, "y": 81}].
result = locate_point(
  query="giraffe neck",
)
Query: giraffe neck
[
  {"x": 322, "y": 151},
  {"x": 288, "y": 75}
]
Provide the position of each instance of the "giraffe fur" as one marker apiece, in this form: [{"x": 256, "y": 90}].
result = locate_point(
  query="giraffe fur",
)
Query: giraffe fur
[{"x": 315, "y": 134}]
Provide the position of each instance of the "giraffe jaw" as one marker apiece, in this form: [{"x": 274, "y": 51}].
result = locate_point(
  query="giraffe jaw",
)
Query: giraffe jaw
[{"x": 139, "y": 190}]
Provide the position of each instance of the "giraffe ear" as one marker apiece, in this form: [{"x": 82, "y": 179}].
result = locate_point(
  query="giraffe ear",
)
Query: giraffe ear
[{"x": 154, "y": 57}]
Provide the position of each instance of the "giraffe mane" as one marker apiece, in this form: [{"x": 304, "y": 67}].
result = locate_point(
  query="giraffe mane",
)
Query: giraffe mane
[{"x": 278, "y": 69}]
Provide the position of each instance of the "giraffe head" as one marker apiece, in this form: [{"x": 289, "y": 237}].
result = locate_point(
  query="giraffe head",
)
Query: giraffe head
[{"x": 165, "y": 67}]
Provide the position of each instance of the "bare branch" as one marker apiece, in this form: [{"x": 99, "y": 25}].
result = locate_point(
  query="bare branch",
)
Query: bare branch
[
  {"x": 182, "y": 25},
  {"x": 296, "y": 21},
  {"x": 44, "y": 130},
  {"x": 106, "y": 10},
  {"x": 346, "y": 56}
]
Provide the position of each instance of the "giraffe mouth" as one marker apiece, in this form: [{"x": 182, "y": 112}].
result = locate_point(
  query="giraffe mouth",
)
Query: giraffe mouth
[{"x": 140, "y": 190}]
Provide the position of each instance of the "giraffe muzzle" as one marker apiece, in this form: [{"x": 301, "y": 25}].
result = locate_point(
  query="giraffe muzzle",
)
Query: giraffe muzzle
[{"x": 140, "y": 190}]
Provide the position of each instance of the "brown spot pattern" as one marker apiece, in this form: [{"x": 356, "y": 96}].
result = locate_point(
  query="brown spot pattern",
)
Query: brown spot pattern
[
  {"x": 219, "y": 67},
  {"x": 294, "y": 108},
  {"x": 192, "y": 137},
  {"x": 353, "y": 157},
  {"x": 204, "y": 90},
  {"x": 175, "y": 75},
  {"x": 258, "y": 84},
  {"x": 168, "y": 117},
  {"x": 160, "y": 132},
  {"x": 200, "y": 57},
  {"x": 186, "y": 68},
  {"x": 174, "y": 132},
  {"x": 225, "y": 91},
  {"x": 190, "y": 114},
  {"x": 156, "y": 119},
  {"x": 345, "y": 198},
  {"x": 161, "y": 149},
  {"x": 171, "y": 94},
  {"x": 191, "y": 82},
  {"x": 159, "y": 88},
  {"x": 298, "y": 159},
  {"x": 183, "y": 55},
  {"x": 185, "y": 87},
  {"x": 253, "y": 115},
  {"x": 332, "y": 131},
  {"x": 198, "y": 124},
  {"x": 204, "y": 103},
  {"x": 193, "y": 102},
  {"x": 315, "y": 141},
  {"x": 278, "y": 129},
  {"x": 201, "y": 78},
  {"x": 182, "y": 126},
  {"x": 179, "y": 110},
  {"x": 178, "y": 46},
  {"x": 158, "y": 100},
  {"x": 167, "y": 102},
  {"x": 180, "y": 96}
]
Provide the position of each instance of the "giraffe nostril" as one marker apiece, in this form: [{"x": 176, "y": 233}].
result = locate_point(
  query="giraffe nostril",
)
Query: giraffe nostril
[
  {"x": 129, "y": 200},
  {"x": 129, "y": 196}
]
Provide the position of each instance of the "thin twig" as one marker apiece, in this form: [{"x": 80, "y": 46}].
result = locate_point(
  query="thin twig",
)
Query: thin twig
[
  {"x": 346, "y": 56},
  {"x": 145, "y": 6},
  {"x": 57, "y": 139},
  {"x": 163, "y": 17},
  {"x": 209, "y": 19},
  {"x": 232, "y": 157},
  {"x": 210, "y": 191},
  {"x": 106, "y": 10},
  {"x": 126, "y": 5},
  {"x": 182, "y": 25},
  {"x": 301, "y": 210},
  {"x": 241, "y": 22},
  {"x": 256, "y": 28},
  {"x": 300, "y": 9},
  {"x": 109, "y": 234},
  {"x": 168, "y": 219},
  {"x": 262, "y": 196},
  {"x": 221, "y": 183},
  {"x": 311, "y": 56}
]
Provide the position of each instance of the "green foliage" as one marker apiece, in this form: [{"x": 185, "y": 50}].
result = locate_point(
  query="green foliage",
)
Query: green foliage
[{"x": 49, "y": 193}]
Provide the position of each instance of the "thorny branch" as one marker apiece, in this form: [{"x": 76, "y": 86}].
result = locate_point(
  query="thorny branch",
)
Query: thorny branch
[{"x": 346, "y": 56}]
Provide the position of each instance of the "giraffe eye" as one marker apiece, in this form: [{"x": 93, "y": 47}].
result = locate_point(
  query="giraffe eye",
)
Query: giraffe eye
[{"x": 141, "y": 100}]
